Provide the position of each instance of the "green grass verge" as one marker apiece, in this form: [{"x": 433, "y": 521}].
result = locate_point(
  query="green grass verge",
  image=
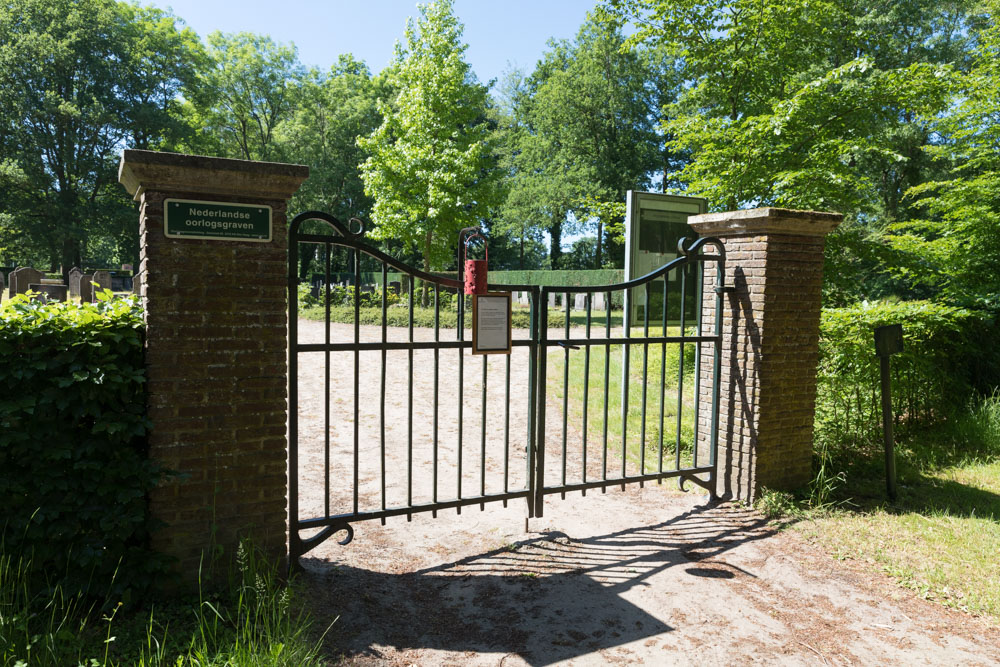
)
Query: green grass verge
[
  {"x": 256, "y": 621},
  {"x": 941, "y": 537},
  {"x": 645, "y": 432}
]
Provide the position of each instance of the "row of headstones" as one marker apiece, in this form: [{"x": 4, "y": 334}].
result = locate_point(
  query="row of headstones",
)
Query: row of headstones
[
  {"x": 81, "y": 285},
  {"x": 395, "y": 287},
  {"x": 558, "y": 300}
]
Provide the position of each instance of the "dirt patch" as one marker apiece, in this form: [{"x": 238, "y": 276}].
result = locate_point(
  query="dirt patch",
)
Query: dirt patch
[{"x": 641, "y": 576}]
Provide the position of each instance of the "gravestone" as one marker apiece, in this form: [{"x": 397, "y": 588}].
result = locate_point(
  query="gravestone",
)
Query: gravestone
[
  {"x": 3, "y": 284},
  {"x": 121, "y": 283},
  {"x": 552, "y": 299},
  {"x": 86, "y": 288},
  {"x": 395, "y": 287},
  {"x": 48, "y": 292},
  {"x": 101, "y": 278},
  {"x": 74, "y": 282},
  {"x": 598, "y": 301},
  {"x": 580, "y": 301},
  {"x": 22, "y": 277}
]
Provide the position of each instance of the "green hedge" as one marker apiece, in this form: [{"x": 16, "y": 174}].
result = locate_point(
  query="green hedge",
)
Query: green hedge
[
  {"x": 74, "y": 474},
  {"x": 399, "y": 316},
  {"x": 557, "y": 278},
  {"x": 948, "y": 355}
]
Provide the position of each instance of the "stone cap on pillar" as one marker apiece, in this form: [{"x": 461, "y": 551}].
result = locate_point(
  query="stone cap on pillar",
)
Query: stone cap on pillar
[
  {"x": 140, "y": 171},
  {"x": 765, "y": 221}
]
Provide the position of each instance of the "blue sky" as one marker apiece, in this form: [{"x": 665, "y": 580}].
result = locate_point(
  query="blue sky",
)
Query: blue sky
[{"x": 497, "y": 32}]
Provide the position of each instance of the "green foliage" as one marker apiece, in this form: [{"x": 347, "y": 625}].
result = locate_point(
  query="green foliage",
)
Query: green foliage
[
  {"x": 431, "y": 165},
  {"x": 242, "y": 95},
  {"x": 399, "y": 316},
  {"x": 579, "y": 132},
  {"x": 73, "y": 468},
  {"x": 947, "y": 356},
  {"x": 81, "y": 79},
  {"x": 954, "y": 247},
  {"x": 332, "y": 110},
  {"x": 554, "y": 278},
  {"x": 255, "y": 621}
]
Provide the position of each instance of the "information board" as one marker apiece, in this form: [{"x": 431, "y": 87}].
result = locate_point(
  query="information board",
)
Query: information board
[
  {"x": 216, "y": 221},
  {"x": 491, "y": 323},
  {"x": 654, "y": 222}
]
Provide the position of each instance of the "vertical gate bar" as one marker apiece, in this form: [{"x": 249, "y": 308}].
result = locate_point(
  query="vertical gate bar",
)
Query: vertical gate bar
[
  {"x": 565, "y": 405},
  {"x": 381, "y": 420},
  {"x": 699, "y": 271},
  {"x": 482, "y": 443},
  {"x": 437, "y": 366},
  {"x": 293, "y": 400},
  {"x": 663, "y": 368},
  {"x": 645, "y": 378},
  {"x": 409, "y": 403},
  {"x": 357, "y": 367},
  {"x": 540, "y": 393},
  {"x": 506, "y": 430},
  {"x": 532, "y": 449},
  {"x": 586, "y": 391},
  {"x": 720, "y": 282},
  {"x": 680, "y": 365},
  {"x": 326, "y": 386},
  {"x": 461, "y": 385},
  {"x": 607, "y": 378},
  {"x": 626, "y": 359}
]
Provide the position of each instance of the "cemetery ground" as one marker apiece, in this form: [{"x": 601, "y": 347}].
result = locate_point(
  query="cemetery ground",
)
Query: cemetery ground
[{"x": 653, "y": 576}]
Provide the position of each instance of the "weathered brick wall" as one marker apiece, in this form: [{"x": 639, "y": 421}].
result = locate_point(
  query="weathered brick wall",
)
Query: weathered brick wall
[
  {"x": 770, "y": 328},
  {"x": 216, "y": 362}
]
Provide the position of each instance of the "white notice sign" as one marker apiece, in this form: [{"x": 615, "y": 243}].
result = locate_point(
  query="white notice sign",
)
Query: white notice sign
[{"x": 491, "y": 323}]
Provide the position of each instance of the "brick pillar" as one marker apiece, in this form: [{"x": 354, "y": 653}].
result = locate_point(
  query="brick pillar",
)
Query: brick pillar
[
  {"x": 774, "y": 259},
  {"x": 216, "y": 356}
]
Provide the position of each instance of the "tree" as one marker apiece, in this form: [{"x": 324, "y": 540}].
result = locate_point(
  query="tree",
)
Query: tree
[
  {"x": 954, "y": 247},
  {"x": 247, "y": 91},
  {"x": 81, "y": 80},
  {"x": 331, "y": 111},
  {"x": 431, "y": 166},
  {"x": 807, "y": 104},
  {"x": 585, "y": 130}
]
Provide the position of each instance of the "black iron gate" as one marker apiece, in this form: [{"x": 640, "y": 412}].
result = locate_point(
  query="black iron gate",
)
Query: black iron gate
[{"x": 355, "y": 456}]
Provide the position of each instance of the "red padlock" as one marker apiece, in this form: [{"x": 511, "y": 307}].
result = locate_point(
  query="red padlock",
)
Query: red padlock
[{"x": 475, "y": 269}]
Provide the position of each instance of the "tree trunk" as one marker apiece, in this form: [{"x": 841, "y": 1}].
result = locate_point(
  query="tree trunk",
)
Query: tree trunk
[
  {"x": 555, "y": 246},
  {"x": 69, "y": 257},
  {"x": 428, "y": 237},
  {"x": 600, "y": 236}
]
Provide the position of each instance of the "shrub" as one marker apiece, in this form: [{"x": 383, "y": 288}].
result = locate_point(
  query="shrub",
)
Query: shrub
[
  {"x": 947, "y": 357},
  {"x": 73, "y": 467}
]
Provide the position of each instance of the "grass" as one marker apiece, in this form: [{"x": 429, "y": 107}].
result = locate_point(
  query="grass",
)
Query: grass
[
  {"x": 255, "y": 622},
  {"x": 645, "y": 436},
  {"x": 941, "y": 536}
]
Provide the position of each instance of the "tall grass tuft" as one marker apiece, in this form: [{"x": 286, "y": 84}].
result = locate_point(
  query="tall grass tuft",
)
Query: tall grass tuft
[
  {"x": 259, "y": 627},
  {"x": 39, "y": 627},
  {"x": 254, "y": 623}
]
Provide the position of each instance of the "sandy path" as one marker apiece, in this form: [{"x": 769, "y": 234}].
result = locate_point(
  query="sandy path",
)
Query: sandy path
[{"x": 645, "y": 576}]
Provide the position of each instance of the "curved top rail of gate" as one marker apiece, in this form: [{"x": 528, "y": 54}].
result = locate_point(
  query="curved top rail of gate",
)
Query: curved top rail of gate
[{"x": 346, "y": 238}]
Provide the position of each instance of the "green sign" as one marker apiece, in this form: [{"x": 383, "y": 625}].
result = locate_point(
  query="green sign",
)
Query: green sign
[{"x": 213, "y": 220}]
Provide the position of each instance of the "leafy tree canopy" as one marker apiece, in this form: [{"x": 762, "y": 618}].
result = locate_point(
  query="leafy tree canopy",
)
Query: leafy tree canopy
[
  {"x": 431, "y": 163},
  {"x": 81, "y": 80}
]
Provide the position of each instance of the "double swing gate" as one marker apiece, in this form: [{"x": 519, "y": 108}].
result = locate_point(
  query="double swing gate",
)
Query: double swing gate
[{"x": 390, "y": 415}]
